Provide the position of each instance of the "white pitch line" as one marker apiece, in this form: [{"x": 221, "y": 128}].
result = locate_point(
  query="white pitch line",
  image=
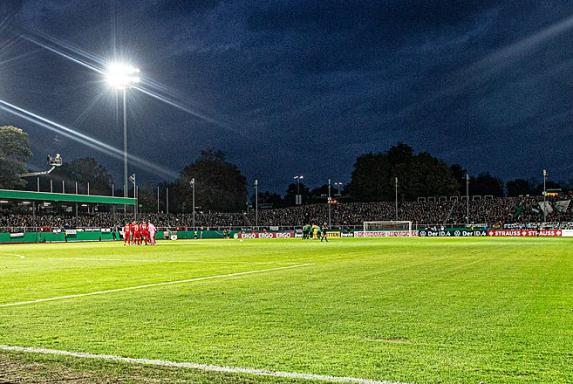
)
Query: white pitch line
[
  {"x": 108, "y": 291},
  {"x": 198, "y": 366}
]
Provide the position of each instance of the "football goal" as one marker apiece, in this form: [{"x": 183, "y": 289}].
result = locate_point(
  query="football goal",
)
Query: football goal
[{"x": 388, "y": 229}]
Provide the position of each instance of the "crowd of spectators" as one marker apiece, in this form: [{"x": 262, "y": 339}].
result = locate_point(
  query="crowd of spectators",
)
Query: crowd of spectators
[{"x": 492, "y": 211}]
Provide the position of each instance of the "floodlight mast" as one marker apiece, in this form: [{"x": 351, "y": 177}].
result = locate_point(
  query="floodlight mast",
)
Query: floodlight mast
[
  {"x": 132, "y": 179},
  {"x": 53, "y": 162},
  {"x": 121, "y": 77}
]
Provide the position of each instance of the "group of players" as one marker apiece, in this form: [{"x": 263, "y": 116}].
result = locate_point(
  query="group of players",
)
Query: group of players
[
  {"x": 137, "y": 233},
  {"x": 315, "y": 232}
]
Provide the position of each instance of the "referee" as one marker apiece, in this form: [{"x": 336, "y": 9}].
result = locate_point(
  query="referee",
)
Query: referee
[{"x": 323, "y": 233}]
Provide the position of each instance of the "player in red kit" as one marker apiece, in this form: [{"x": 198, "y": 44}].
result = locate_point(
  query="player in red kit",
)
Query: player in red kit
[
  {"x": 132, "y": 231},
  {"x": 136, "y": 233},
  {"x": 126, "y": 234},
  {"x": 144, "y": 232}
]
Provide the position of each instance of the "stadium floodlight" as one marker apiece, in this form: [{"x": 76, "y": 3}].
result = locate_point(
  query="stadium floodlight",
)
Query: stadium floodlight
[
  {"x": 338, "y": 185},
  {"x": 53, "y": 163},
  {"x": 122, "y": 76},
  {"x": 298, "y": 199}
]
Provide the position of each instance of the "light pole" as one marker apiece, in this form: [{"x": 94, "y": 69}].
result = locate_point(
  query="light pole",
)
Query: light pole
[
  {"x": 132, "y": 179},
  {"x": 544, "y": 195},
  {"x": 76, "y": 203},
  {"x": 329, "y": 201},
  {"x": 158, "y": 199},
  {"x": 298, "y": 198},
  {"x": 467, "y": 198},
  {"x": 121, "y": 77},
  {"x": 193, "y": 189},
  {"x": 257, "y": 203},
  {"x": 396, "y": 197},
  {"x": 338, "y": 186},
  {"x": 113, "y": 206}
]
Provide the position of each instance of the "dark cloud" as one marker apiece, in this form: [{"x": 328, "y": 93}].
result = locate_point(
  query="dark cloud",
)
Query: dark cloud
[{"x": 306, "y": 86}]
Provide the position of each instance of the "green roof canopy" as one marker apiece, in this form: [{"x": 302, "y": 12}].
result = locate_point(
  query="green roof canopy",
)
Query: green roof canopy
[{"x": 8, "y": 194}]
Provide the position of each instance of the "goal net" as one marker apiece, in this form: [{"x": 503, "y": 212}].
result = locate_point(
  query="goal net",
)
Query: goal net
[{"x": 387, "y": 229}]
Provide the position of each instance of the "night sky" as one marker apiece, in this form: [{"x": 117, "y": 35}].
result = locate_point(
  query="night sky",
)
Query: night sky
[{"x": 300, "y": 87}]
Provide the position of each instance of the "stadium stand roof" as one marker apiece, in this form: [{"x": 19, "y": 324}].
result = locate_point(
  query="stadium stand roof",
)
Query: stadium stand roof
[{"x": 9, "y": 194}]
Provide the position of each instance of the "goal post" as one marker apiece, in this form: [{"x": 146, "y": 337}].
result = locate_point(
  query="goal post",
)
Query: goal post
[{"x": 387, "y": 229}]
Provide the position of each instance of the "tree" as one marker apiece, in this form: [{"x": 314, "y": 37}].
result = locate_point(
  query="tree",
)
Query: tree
[
  {"x": 272, "y": 198},
  {"x": 549, "y": 184},
  {"x": 371, "y": 178},
  {"x": 519, "y": 187},
  {"x": 320, "y": 194},
  {"x": 219, "y": 185},
  {"x": 374, "y": 175},
  {"x": 83, "y": 171},
  {"x": 486, "y": 184},
  {"x": 459, "y": 174},
  {"x": 14, "y": 154},
  {"x": 147, "y": 199}
]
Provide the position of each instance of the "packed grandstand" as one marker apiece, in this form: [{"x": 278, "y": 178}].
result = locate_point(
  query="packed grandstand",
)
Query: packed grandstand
[{"x": 495, "y": 212}]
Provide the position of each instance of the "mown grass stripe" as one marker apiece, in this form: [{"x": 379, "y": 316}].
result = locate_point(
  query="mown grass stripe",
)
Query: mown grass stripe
[{"x": 152, "y": 285}]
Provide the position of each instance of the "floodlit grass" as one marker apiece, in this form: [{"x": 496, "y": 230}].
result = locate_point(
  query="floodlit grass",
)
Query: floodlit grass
[{"x": 409, "y": 310}]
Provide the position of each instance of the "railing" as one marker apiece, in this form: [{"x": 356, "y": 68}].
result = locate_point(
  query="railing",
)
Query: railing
[{"x": 243, "y": 228}]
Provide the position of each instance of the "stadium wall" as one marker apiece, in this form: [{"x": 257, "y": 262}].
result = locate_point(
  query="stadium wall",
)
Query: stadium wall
[{"x": 73, "y": 235}]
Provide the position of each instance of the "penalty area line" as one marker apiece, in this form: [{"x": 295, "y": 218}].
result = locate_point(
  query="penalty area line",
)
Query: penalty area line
[
  {"x": 152, "y": 285},
  {"x": 197, "y": 366}
]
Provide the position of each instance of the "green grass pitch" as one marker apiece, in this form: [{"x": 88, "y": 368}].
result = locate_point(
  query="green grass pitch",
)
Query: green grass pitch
[{"x": 407, "y": 310}]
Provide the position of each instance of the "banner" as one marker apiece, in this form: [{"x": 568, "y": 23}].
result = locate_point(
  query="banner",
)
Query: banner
[
  {"x": 452, "y": 233},
  {"x": 525, "y": 233},
  {"x": 546, "y": 207},
  {"x": 347, "y": 234},
  {"x": 266, "y": 235},
  {"x": 18, "y": 234},
  {"x": 384, "y": 234},
  {"x": 71, "y": 232},
  {"x": 333, "y": 233},
  {"x": 567, "y": 233},
  {"x": 562, "y": 206},
  {"x": 555, "y": 225}
]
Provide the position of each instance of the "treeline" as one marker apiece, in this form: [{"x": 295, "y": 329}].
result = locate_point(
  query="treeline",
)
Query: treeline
[{"x": 220, "y": 185}]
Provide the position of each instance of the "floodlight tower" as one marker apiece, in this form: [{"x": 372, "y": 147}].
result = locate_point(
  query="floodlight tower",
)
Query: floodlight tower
[
  {"x": 338, "y": 186},
  {"x": 53, "y": 163},
  {"x": 121, "y": 77},
  {"x": 298, "y": 198},
  {"x": 192, "y": 183},
  {"x": 256, "y": 185}
]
